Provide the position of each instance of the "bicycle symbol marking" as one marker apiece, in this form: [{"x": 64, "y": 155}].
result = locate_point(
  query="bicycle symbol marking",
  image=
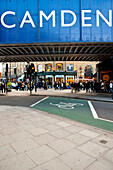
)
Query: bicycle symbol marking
[{"x": 63, "y": 105}]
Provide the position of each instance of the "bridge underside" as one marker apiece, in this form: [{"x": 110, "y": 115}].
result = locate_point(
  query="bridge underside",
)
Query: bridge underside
[{"x": 56, "y": 52}]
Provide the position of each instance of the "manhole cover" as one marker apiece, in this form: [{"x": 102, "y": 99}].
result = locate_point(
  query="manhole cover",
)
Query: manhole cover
[{"x": 103, "y": 141}]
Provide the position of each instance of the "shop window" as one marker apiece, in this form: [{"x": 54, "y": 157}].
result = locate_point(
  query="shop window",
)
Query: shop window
[
  {"x": 59, "y": 67},
  {"x": 69, "y": 67},
  {"x": 88, "y": 71},
  {"x": 48, "y": 67},
  {"x": 39, "y": 68}
]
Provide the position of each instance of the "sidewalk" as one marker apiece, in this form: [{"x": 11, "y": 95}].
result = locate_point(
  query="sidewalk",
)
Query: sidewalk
[
  {"x": 35, "y": 140},
  {"x": 65, "y": 93}
]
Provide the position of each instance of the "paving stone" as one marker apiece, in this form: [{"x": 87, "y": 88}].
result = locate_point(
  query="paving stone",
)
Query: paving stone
[
  {"x": 40, "y": 123},
  {"x": 37, "y": 131},
  {"x": 76, "y": 159},
  {"x": 5, "y": 140},
  {"x": 104, "y": 140},
  {"x": 21, "y": 136},
  {"x": 109, "y": 155},
  {"x": 101, "y": 164},
  {"x": 8, "y": 131},
  {"x": 52, "y": 127},
  {"x": 63, "y": 124},
  {"x": 78, "y": 138},
  {"x": 54, "y": 164},
  {"x": 51, "y": 120},
  {"x": 44, "y": 139},
  {"x": 89, "y": 133},
  {"x": 60, "y": 133},
  {"x": 42, "y": 154},
  {"x": 25, "y": 145},
  {"x": 73, "y": 129},
  {"x": 6, "y": 152},
  {"x": 19, "y": 162},
  {"x": 93, "y": 149},
  {"x": 62, "y": 145}
]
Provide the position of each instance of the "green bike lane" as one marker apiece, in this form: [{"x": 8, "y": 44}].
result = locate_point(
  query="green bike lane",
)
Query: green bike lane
[{"x": 77, "y": 110}]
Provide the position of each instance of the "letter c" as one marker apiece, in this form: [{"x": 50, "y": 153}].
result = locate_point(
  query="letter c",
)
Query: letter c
[{"x": 2, "y": 19}]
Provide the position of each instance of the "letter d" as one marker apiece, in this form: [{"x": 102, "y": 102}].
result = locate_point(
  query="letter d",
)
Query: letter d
[{"x": 62, "y": 18}]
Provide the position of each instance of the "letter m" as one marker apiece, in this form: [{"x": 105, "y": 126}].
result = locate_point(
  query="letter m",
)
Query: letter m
[{"x": 52, "y": 14}]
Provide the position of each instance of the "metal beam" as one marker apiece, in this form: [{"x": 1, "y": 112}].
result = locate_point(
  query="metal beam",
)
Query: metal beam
[
  {"x": 76, "y": 49},
  {"x": 93, "y": 50},
  {"x": 3, "y": 51},
  {"x": 81, "y": 49},
  {"x": 98, "y": 50},
  {"x": 59, "y": 50},
  {"x": 9, "y": 51},
  {"x": 53, "y": 50},
  {"x": 70, "y": 49},
  {"x": 48, "y": 50},
  {"x": 31, "y": 50},
  {"x": 25, "y": 50},
  {"x": 65, "y": 50},
  {"x": 87, "y": 50},
  {"x": 42, "y": 49},
  {"x": 19, "y": 50}
]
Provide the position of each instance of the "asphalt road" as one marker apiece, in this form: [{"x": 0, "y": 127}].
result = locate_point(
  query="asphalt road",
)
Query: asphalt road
[
  {"x": 24, "y": 101},
  {"x": 103, "y": 109}
]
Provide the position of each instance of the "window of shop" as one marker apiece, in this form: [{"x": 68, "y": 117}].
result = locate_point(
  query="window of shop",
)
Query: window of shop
[
  {"x": 69, "y": 67},
  {"x": 39, "y": 68},
  {"x": 48, "y": 67},
  {"x": 59, "y": 67},
  {"x": 88, "y": 71}
]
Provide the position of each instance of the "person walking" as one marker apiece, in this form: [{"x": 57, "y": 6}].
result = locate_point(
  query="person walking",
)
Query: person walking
[{"x": 23, "y": 86}]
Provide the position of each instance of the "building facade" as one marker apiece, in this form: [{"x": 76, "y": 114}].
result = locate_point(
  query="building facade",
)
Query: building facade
[{"x": 62, "y": 71}]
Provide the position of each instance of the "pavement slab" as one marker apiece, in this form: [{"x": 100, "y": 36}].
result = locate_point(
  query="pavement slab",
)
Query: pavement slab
[
  {"x": 42, "y": 154},
  {"x": 25, "y": 145},
  {"x": 101, "y": 164},
  {"x": 54, "y": 164},
  {"x": 63, "y": 145},
  {"x": 109, "y": 155},
  {"x": 6, "y": 152},
  {"x": 93, "y": 149},
  {"x": 76, "y": 159},
  {"x": 19, "y": 162},
  {"x": 44, "y": 139}
]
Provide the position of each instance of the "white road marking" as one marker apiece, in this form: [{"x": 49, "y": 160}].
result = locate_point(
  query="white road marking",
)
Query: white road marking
[
  {"x": 94, "y": 113},
  {"x": 63, "y": 105},
  {"x": 39, "y": 101},
  {"x": 93, "y": 110}
]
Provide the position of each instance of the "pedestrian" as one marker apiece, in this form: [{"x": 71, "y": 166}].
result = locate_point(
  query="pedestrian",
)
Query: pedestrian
[
  {"x": 72, "y": 87},
  {"x": 111, "y": 86},
  {"x": 23, "y": 86},
  {"x": 3, "y": 87}
]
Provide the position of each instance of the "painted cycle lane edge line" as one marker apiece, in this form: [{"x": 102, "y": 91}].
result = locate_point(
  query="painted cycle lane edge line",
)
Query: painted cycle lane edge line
[
  {"x": 39, "y": 101},
  {"x": 94, "y": 113}
]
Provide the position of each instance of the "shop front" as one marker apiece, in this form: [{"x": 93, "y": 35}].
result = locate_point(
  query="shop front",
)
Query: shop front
[
  {"x": 69, "y": 79},
  {"x": 59, "y": 78}
]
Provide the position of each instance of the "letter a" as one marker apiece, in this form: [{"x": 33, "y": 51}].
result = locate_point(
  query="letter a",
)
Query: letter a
[{"x": 27, "y": 14}]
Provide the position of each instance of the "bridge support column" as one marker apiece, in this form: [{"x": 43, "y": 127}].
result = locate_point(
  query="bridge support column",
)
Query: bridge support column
[{"x": 98, "y": 72}]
